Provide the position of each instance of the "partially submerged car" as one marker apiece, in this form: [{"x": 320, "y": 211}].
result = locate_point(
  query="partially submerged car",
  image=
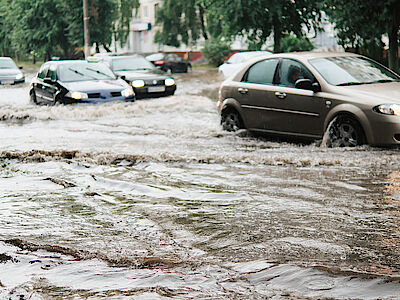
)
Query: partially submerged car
[
  {"x": 170, "y": 62},
  {"x": 145, "y": 79},
  {"x": 9, "y": 72},
  {"x": 351, "y": 98},
  {"x": 77, "y": 81}
]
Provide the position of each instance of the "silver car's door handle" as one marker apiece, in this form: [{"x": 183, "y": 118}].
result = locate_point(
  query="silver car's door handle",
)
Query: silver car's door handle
[
  {"x": 280, "y": 95},
  {"x": 243, "y": 90}
]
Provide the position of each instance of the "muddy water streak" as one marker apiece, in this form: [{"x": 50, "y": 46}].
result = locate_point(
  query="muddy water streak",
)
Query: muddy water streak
[{"x": 152, "y": 200}]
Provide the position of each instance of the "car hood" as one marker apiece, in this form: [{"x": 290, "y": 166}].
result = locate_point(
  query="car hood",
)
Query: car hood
[
  {"x": 10, "y": 72},
  {"x": 144, "y": 75},
  {"x": 95, "y": 85},
  {"x": 373, "y": 93}
]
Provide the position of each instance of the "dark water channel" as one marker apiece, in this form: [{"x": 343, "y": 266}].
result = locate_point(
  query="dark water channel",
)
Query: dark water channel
[{"x": 152, "y": 200}]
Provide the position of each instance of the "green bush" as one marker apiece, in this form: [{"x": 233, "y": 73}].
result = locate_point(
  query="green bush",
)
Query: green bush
[
  {"x": 215, "y": 51},
  {"x": 291, "y": 43}
]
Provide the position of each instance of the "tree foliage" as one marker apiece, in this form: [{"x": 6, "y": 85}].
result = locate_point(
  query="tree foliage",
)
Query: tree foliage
[
  {"x": 55, "y": 27},
  {"x": 215, "y": 51},
  {"x": 291, "y": 43},
  {"x": 362, "y": 23},
  {"x": 182, "y": 21}
]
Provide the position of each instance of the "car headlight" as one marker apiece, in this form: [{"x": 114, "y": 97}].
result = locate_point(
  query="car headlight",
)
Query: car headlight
[
  {"x": 169, "y": 82},
  {"x": 19, "y": 76},
  {"x": 77, "y": 95},
  {"x": 127, "y": 93},
  {"x": 138, "y": 83},
  {"x": 388, "y": 109}
]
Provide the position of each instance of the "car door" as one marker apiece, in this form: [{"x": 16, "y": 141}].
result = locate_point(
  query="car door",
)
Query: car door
[
  {"x": 256, "y": 91},
  {"x": 49, "y": 84},
  {"x": 38, "y": 83},
  {"x": 297, "y": 111}
]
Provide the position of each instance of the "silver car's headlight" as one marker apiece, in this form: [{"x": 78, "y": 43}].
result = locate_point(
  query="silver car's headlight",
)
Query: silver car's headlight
[
  {"x": 19, "y": 76},
  {"x": 169, "y": 82},
  {"x": 77, "y": 95},
  {"x": 388, "y": 109},
  {"x": 127, "y": 92}
]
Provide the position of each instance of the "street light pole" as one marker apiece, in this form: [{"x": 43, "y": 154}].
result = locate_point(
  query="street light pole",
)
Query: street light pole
[{"x": 86, "y": 33}]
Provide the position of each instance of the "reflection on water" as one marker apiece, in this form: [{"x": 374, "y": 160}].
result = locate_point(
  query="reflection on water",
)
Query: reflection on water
[{"x": 152, "y": 200}]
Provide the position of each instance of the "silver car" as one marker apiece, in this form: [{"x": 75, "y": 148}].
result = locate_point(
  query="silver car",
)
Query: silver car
[
  {"x": 348, "y": 98},
  {"x": 9, "y": 72}
]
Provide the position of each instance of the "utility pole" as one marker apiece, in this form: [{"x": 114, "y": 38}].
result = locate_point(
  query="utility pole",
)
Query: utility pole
[{"x": 86, "y": 33}]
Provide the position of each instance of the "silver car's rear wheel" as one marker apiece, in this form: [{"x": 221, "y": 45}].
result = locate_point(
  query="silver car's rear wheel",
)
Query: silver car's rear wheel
[
  {"x": 345, "y": 132},
  {"x": 230, "y": 120}
]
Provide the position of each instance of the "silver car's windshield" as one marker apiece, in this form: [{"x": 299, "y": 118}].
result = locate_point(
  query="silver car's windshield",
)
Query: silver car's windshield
[
  {"x": 7, "y": 64},
  {"x": 351, "y": 70},
  {"x": 84, "y": 71},
  {"x": 131, "y": 64}
]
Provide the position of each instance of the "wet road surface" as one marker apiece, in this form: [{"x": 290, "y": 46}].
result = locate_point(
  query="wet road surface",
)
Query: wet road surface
[{"x": 152, "y": 200}]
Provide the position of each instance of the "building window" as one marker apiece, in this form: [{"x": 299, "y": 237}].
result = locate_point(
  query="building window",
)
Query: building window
[{"x": 145, "y": 12}]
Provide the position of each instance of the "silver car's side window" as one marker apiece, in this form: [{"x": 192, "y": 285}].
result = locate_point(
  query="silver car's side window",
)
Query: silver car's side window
[
  {"x": 262, "y": 72},
  {"x": 291, "y": 71}
]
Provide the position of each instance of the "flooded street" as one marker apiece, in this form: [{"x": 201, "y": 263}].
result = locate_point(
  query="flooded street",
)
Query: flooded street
[{"x": 152, "y": 200}]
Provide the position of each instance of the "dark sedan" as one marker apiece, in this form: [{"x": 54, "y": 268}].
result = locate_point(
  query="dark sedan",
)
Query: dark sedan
[
  {"x": 146, "y": 80},
  {"x": 78, "y": 81},
  {"x": 170, "y": 62},
  {"x": 9, "y": 72}
]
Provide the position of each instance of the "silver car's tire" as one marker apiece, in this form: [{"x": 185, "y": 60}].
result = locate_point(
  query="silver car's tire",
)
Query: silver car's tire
[
  {"x": 345, "y": 131},
  {"x": 230, "y": 120}
]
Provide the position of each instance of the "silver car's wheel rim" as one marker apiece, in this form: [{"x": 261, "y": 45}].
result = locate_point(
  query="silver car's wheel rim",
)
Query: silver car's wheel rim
[
  {"x": 231, "y": 122},
  {"x": 344, "y": 135}
]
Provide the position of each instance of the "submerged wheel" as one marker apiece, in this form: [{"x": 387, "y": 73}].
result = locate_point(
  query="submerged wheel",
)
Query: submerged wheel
[
  {"x": 230, "y": 120},
  {"x": 345, "y": 131}
]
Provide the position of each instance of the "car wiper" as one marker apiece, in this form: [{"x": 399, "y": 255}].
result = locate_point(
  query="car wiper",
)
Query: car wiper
[
  {"x": 383, "y": 81},
  {"x": 76, "y": 72},
  {"x": 351, "y": 83},
  {"x": 98, "y": 72},
  {"x": 80, "y": 73}
]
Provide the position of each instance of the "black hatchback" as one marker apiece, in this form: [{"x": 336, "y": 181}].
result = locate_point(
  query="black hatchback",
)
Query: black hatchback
[{"x": 78, "y": 81}]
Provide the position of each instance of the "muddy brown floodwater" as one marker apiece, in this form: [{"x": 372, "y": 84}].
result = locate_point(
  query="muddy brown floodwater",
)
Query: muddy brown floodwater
[{"x": 152, "y": 200}]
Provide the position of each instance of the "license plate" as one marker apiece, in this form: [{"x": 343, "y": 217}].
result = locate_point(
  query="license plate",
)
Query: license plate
[
  {"x": 7, "y": 81},
  {"x": 156, "y": 89}
]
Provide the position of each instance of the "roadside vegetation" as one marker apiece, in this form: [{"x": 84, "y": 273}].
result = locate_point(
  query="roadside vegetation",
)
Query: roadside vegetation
[{"x": 46, "y": 28}]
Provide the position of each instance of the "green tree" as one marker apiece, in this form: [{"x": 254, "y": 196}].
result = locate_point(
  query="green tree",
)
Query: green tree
[
  {"x": 215, "y": 51},
  {"x": 182, "y": 21},
  {"x": 363, "y": 22},
  {"x": 291, "y": 43},
  {"x": 259, "y": 19}
]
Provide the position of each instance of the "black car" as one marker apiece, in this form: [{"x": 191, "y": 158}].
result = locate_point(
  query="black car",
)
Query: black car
[
  {"x": 145, "y": 79},
  {"x": 170, "y": 62},
  {"x": 9, "y": 72},
  {"x": 78, "y": 81}
]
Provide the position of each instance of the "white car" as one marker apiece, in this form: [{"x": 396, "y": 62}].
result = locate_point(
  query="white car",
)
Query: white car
[{"x": 237, "y": 61}]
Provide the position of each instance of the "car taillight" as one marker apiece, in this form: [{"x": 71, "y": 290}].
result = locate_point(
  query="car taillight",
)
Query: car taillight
[{"x": 159, "y": 62}]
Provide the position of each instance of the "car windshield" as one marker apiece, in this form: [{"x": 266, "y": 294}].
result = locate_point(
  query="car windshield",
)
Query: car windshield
[
  {"x": 84, "y": 71},
  {"x": 131, "y": 64},
  {"x": 7, "y": 64},
  {"x": 344, "y": 71}
]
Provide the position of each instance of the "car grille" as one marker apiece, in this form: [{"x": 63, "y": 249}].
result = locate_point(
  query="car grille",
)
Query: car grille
[
  {"x": 94, "y": 95},
  {"x": 154, "y": 82},
  {"x": 116, "y": 94}
]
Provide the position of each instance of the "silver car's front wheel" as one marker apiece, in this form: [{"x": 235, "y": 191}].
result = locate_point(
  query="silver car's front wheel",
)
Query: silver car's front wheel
[
  {"x": 345, "y": 132},
  {"x": 230, "y": 120}
]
